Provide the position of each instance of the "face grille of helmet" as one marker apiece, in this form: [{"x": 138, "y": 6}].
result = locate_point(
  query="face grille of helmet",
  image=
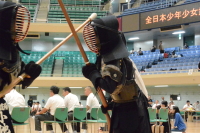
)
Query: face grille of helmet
[
  {"x": 22, "y": 23},
  {"x": 90, "y": 38}
]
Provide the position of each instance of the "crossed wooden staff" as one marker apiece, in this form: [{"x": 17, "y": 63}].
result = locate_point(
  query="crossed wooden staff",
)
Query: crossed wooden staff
[{"x": 74, "y": 33}]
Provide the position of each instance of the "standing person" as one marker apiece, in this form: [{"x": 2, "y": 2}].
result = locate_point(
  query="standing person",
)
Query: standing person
[
  {"x": 179, "y": 124},
  {"x": 119, "y": 77},
  {"x": 150, "y": 101},
  {"x": 91, "y": 102},
  {"x": 71, "y": 101},
  {"x": 140, "y": 52},
  {"x": 55, "y": 101},
  {"x": 11, "y": 65},
  {"x": 161, "y": 47},
  {"x": 30, "y": 102},
  {"x": 163, "y": 99}
]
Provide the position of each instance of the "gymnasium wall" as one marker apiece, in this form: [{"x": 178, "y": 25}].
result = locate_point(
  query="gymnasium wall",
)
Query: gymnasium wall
[
  {"x": 171, "y": 42},
  {"x": 40, "y": 45},
  {"x": 144, "y": 45}
]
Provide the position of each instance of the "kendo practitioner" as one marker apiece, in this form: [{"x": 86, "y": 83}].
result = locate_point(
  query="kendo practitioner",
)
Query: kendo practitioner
[
  {"x": 11, "y": 65},
  {"x": 117, "y": 75}
]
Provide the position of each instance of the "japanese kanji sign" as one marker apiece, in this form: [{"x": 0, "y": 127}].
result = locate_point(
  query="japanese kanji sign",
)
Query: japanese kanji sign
[{"x": 170, "y": 16}]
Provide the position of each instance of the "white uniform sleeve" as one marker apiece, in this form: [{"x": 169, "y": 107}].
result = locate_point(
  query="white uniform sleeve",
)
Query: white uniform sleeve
[
  {"x": 139, "y": 81},
  {"x": 89, "y": 101},
  {"x": 48, "y": 104}
]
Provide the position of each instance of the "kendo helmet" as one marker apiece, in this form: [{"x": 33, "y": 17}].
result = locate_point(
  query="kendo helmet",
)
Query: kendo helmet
[
  {"x": 102, "y": 37},
  {"x": 14, "y": 25}
]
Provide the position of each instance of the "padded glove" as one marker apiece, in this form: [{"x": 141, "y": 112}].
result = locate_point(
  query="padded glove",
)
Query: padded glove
[
  {"x": 109, "y": 107},
  {"x": 88, "y": 69},
  {"x": 33, "y": 70},
  {"x": 91, "y": 73}
]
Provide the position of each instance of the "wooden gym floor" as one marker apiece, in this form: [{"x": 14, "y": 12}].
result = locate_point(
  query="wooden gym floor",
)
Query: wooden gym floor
[{"x": 192, "y": 127}]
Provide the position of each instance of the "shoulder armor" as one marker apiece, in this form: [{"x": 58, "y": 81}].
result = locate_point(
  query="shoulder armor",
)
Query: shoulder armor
[{"x": 113, "y": 72}]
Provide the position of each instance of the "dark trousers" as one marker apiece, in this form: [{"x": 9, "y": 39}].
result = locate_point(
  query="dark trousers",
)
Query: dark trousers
[
  {"x": 47, "y": 116},
  {"x": 84, "y": 124},
  {"x": 75, "y": 126}
]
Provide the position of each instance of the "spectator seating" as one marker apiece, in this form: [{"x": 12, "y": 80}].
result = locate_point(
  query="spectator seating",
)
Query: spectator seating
[
  {"x": 79, "y": 2},
  {"x": 73, "y": 63},
  {"x": 29, "y": 1},
  {"x": 78, "y": 13},
  {"x": 47, "y": 65},
  {"x": 32, "y": 9},
  {"x": 189, "y": 60}
]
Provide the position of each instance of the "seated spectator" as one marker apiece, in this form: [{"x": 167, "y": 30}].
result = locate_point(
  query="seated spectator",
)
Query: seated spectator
[
  {"x": 196, "y": 106},
  {"x": 199, "y": 67},
  {"x": 140, "y": 52},
  {"x": 71, "y": 101},
  {"x": 171, "y": 104},
  {"x": 161, "y": 47},
  {"x": 55, "y": 101},
  {"x": 164, "y": 105},
  {"x": 179, "y": 124},
  {"x": 174, "y": 54},
  {"x": 14, "y": 99},
  {"x": 132, "y": 51},
  {"x": 81, "y": 105},
  {"x": 155, "y": 105},
  {"x": 185, "y": 46},
  {"x": 39, "y": 107},
  {"x": 34, "y": 109},
  {"x": 153, "y": 49},
  {"x": 187, "y": 107}
]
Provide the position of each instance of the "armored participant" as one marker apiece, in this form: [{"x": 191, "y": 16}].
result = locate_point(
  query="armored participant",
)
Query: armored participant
[
  {"x": 116, "y": 74},
  {"x": 14, "y": 23}
]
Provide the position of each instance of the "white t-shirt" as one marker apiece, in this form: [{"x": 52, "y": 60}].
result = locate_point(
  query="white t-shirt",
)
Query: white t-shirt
[
  {"x": 154, "y": 106},
  {"x": 14, "y": 99},
  {"x": 56, "y": 101},
  {"x": 190, "y": 107},
  {"x": 92, "y": 102},
  {"x": 71, "y": 101}
]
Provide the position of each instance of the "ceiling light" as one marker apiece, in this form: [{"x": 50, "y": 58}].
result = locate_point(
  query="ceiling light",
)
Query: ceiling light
[
  {"x": 134, "y": 38},
  {"x": 59, "y": 38},
  {"x": 161, "y": 86},
  {"x": 75, "y": 87},
  {"x": 32, "y": 87},
  {"x": 178, "y": 32}
]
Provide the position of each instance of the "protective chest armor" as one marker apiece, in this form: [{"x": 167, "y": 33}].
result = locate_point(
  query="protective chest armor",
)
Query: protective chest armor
[{"x": 127, "y": 89}]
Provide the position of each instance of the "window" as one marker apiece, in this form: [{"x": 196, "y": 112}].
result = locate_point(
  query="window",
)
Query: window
[
  {"x": 83, "y": 97},
  {"x": 33, "y": 97},
  {"x": 175, "y": 97}
]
